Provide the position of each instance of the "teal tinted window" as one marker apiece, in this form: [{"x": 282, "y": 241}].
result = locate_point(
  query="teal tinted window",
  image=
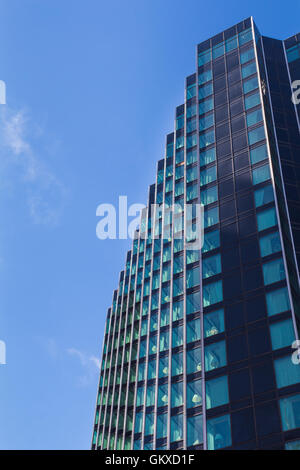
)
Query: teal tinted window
[
  {"x": 142, "y": 371},
  {"x": 138, "y": 427},
  {"x": 162, "y": 425},
  {"x": 177, "y": 310},
  {"x": 211, "y": 241},
  {"x": 177, "y": 336},
  {"x": 270, "y": 244},
  {"x": 193, "y": 303},
  {"x": 193, "y": 361},
  {"x": 248, "y": 69},
  {"x": 250, "y": 85},
  {"x": 170, "y": 149},
  {"x": 176, "y": 428},
  {"x": 163, "y": 366},
  {"x": 194, "y": 430},
  {"x": 218, "y": 432},
  {"x": 205, "y": 77},
  {"x": 177, "y": 364},
  {"x": 263, "y": 195},
  {"x": 179, "y": 188},
  {"x": 252, "y": 100},
  {"x": 191, "y": 156},
  {"x": 246, "y": 56},
  {"x": 290, "y": 412},
  {"x": 293, "y": 445},
  {"x": 209, "y": 195},
  {"x": 211, "y": 266},
  {"x": 193, "y": 330},
  {"x": 177, "y": 286},
  {"x": 162, "y": 395},
  {"x": 192, "y": 277},
  {"x": 149, "y": 424},
  {"x": 206, "y": 106},
  {"x": 217, "y": 392},
  {"x": 206, "y": 122},
  {"x": 282, "y": 334},
  {"x": 278, "y": 301},
  {"x": 179, "y": 172},
  {"x": 213, "y": 323},
  {"x": 178, "y": 264},
  {"x": 191, "y": 141},
  {"x": 286, "y": 372},
  {"x": 231, "y": 44},
  {"x": 191, "y": 111},
  {"x": 179, "y": 122},
  {"x": 191, "y": 192},
  {"x": 245, "y": 36},
  {"x": 165, "y": 315},
  {"x": 191, "y": 125},
  {"x": 207, "y": 138},
  {"x": 179, "y": 142},
  {"x": 266, "y": 219},
  {"x": 293, "y": 53},
  {"x": 218, "y": 50},
  {"x": 205, "y": 91},
  {"x": 211, "y": 217},
  {"x": 256, "y": 135},
  {"x": 261, "y": 174},
  {"x": 273, "y": 271},
  {"x": 177, "y": 394},
  {"x": 150, "y": 396},
  {"x": 208, "y": 176},
  {"x": 254, "y": 117},
  {"x": 215, "y": 356},
  {"x": 164, "y": 341},
  {"x": 194, "y": 393},
  {"x": 179, "y": 157},
  {"x": 190, "y": 91},
  {"x": 192, "y": 256},
  {"x": 152, "y": 369},
  {"x": 207, "y": 156},
  {"x": 259, "y": 153},
  {"x": 212, "y": 293},
  {"x": 204, "y": 57}
]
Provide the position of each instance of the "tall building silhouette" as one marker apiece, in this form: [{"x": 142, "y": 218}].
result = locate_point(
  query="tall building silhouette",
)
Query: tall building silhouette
[{"x": 197, "y": 348}]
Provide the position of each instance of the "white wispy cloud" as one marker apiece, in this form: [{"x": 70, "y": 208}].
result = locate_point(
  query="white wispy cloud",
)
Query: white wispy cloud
[
  {"x": 89, "y": 363},
  {"x": 45, "y": 194}
]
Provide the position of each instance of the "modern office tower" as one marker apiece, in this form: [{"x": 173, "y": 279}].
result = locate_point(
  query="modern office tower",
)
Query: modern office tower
[{"x": 197, "y": 349}]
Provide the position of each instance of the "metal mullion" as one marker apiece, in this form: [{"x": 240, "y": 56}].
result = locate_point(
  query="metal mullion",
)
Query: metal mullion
[
  {"x": 159, "y": 308},
  {"x": 204, "y": 426},
  {"x": 272, "y": 173},
  {"x": 116, "y": 366}
]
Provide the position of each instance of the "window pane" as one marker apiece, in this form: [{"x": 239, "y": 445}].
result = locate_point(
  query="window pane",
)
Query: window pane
[
  {"x": 252, "y": 100},
  {"x": 163, "y": 366},
  {"x": 204, "y": 57},
  {"x": 287, "y": 373},
  {"x": 205, "y": 77},
  {"x": 177, "y": 336},
  {"x": 194, "y": 430},
  {"x": 213, "y": 323},
  {"x": 278, "y": 301},
  {"x": 206, "y": 121},
  {"x": 266, "y": 219},
  {"x": 254, "y": 117},
  {"x": 162, "y": 425},
  {"x": 256, "y": 135},
  {"x": 205, "y": 91},
  {"x": 177, "y": 364},
  {"x": 194, "y": 393},
  {"x": 273, "y": 271},
  {"x": 177, "y": 394},
  {"x": 218, "y": 432},
  {"x": 149, "y": 424},
  {"x": 209, "y": 195},
  {"x": 207, "y": 138},
  {"x": 270, "y": 244},
  {"x": 162, "y": 398},
  {"x": 207, "y": 156},
  {"x": 164, "y": 341},
  {"x": 190, "y": 92},
  {"x": 177, "y": 310},
  {"x": 245, "y": 36},
  {"x": 248, "y": 69},
  {"x": 282, "y": 334},
  {"x": 211, "y": 241},
  {"x": 215, "y": 356},
  {"x": 193, "y": 361},
  {"x": 217, "y": 392},
  {"x": 250, "y": 85},
  {"x": 193, "y": 303},
  {"x": 192, "y": 277},
  {"x": 294, "y": 445},
  {"x": 246, "y": 56},
  {"x": 263, "y": 195},
  {"x": 150, "y": 397},
  {"x": 212, "y": 293},
  {"x": 211, "y": 266},
  {"x": 290, "y": 412},
  {"x": 259, "y": 153},
  {"x": 208, "y": 175},
  {"x": 193, "y": 330},
  {"x": 261, "y": 174},
  {"x": 206, "y": 106},
  {"x": 176, "y": 428}
]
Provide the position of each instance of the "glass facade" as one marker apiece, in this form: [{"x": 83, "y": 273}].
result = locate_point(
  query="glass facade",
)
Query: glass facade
[{"x": 197, "y": 346}]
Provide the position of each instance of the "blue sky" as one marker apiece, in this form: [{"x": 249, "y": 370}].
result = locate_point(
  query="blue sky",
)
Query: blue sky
[{"x": 91, "y": 92}]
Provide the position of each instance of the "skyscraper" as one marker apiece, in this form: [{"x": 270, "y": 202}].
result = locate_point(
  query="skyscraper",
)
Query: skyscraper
[{"x": 197, "y": 349}]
